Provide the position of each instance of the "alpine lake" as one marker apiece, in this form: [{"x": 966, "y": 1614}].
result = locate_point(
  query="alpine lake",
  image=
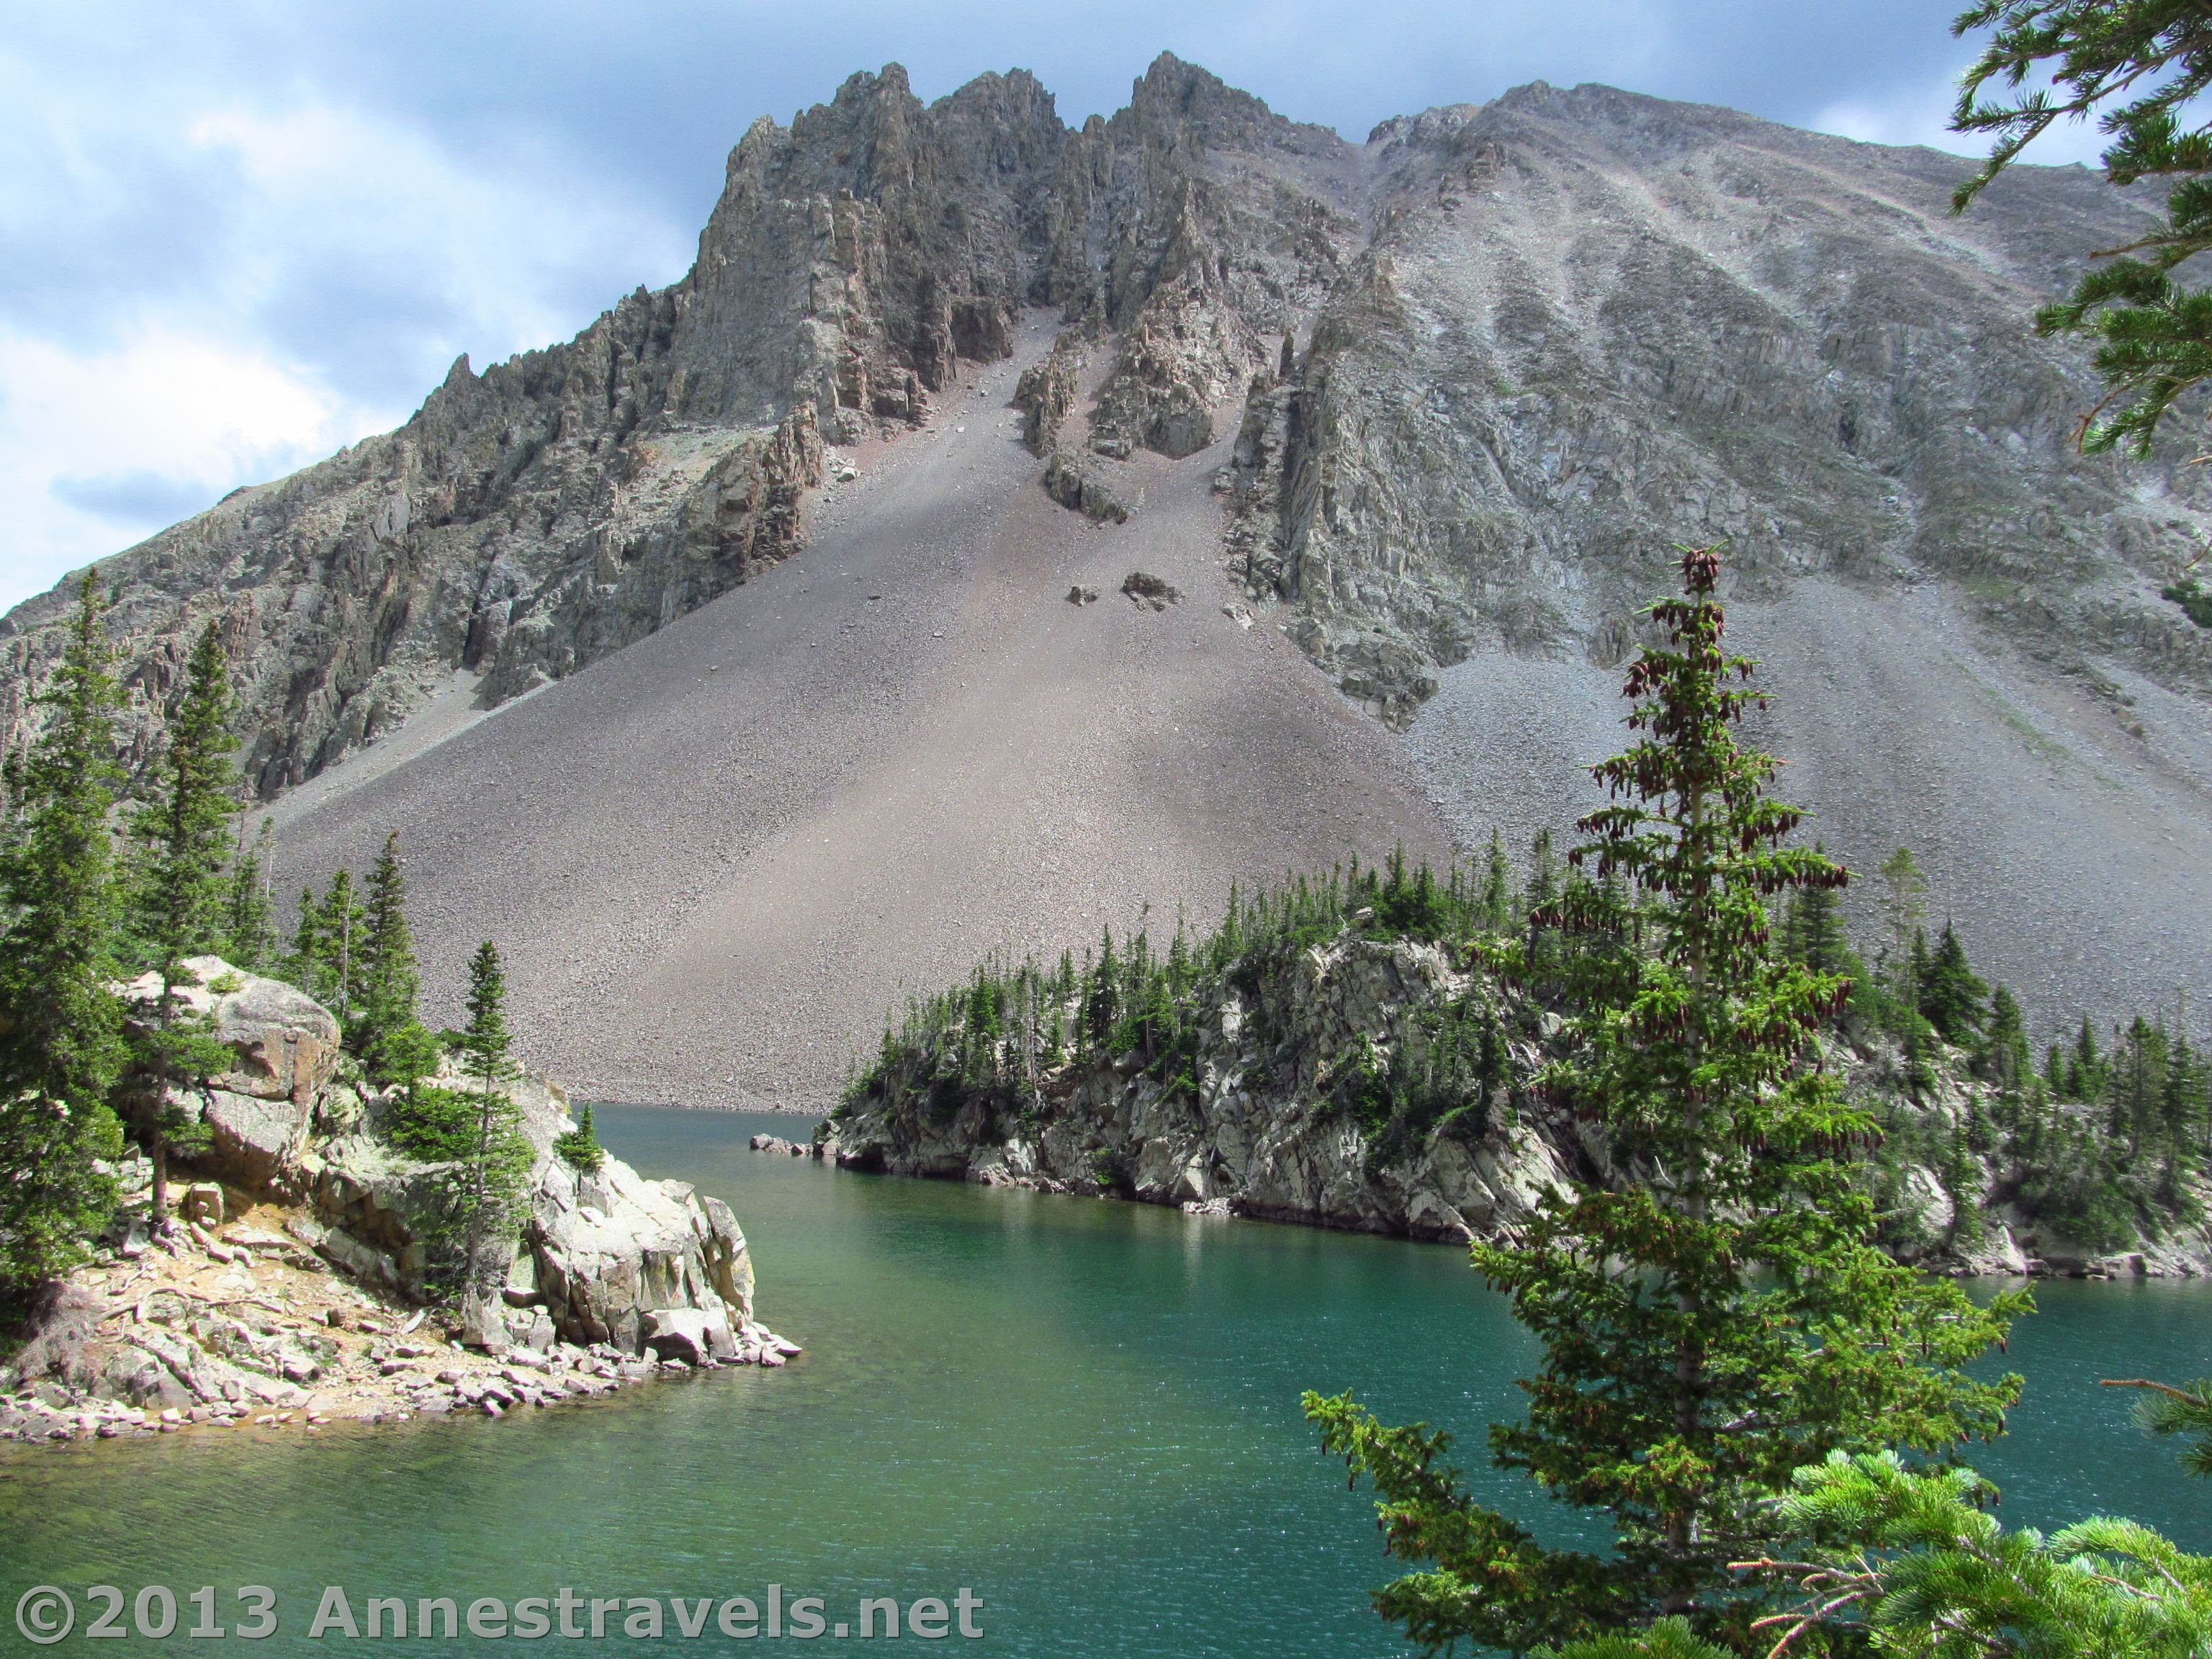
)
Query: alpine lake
[{"x": 1083, "y": 1412}]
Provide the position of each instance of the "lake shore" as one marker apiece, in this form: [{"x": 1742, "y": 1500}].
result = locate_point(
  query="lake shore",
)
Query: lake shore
[{"x": 245, "y": 1324}]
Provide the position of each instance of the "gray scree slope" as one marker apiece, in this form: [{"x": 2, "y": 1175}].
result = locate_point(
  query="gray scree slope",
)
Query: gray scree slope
[{"x": 1431, "y": 409}]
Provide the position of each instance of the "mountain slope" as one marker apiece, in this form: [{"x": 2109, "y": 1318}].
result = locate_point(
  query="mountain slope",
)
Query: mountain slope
[
  {"x": 1427, "y": 411},
  {"x": 716, "y": 859}
]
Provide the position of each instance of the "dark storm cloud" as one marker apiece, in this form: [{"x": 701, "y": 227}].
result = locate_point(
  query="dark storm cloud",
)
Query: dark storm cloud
[{"x": 327, "y": 202}]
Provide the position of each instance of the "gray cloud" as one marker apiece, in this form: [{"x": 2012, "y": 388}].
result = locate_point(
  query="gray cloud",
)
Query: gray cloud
[
  {"x": 487, "y": 176},
  {"x": 132, "y": 498}
]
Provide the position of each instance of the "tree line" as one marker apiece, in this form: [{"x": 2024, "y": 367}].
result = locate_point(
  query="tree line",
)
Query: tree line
[
  {"x": 99, "y": 886},
  {"x": 2103, "y": 1142}
]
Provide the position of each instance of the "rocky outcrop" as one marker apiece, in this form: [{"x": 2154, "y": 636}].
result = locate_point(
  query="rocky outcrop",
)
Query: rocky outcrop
[
  {"x": 1257, "y": 1126},
  {"x": 1047, "y": 390},
  {"x": 292, "y": 1284},
  {"x": 1077, "y": 486},
  {"x": 1590, "y": 326},
  {"x": 1375, "y": 1082},
  {"x": 597, "y": 1254},
  {"x": 1549, "y": 337},
  {"x": 532, "y": 517}
]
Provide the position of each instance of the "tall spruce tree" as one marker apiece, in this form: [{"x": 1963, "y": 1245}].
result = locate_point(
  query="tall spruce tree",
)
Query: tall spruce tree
[
  {"x": 61, "y": 1028},
  {"x": 341, "y": 922},
  {"x": 251, "y": 930},
  {"x": 385, "y": 1033},
  {"x": 496, "y": 1156},
  {"x": 1723, "y": 1315},
  {"x": 179, "y": 900}
]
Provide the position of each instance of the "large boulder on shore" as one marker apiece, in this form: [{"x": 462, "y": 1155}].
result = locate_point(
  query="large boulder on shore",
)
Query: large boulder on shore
[
  {"x": 603, "y": 1251},
  {"x": 592, "y": 1257},
  {"x": 285, "y": 1054},
  {"x": 285, "y": 1043}
]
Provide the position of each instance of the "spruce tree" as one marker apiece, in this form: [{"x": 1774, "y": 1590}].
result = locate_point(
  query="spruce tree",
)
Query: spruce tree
[
  {"x": 61, "y": 1043},
  {"x": 496, "y": 1156},
  {"x": 251, "y": 932},
  {"x": 2005, "y": 1059},
  {"x": 1951, "y": 996},
  {"x": 301, "y": 963},
  {"x": 1813, "y": 931},
  {"x": 1722, "y": 1316},
  {"x": 340, "y": 923},
  {"x": 579, "y": 1146},
  {"x": 178, "y": 900},
  {"x": 1496, "y": 902},
  {"x": 385, "y": 1033}
]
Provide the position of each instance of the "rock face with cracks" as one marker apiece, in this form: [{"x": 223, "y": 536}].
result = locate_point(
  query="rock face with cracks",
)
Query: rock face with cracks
[
  {"x": 1546, "y": 337},
  {"x": 1274, "y": 1112},
  {"x": 602, "y": 1265},
  {"x": 1457, "y": 389}
]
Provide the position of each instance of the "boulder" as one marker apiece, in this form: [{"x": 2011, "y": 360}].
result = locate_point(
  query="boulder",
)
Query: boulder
[
  {"x": 253, "y": 1139},
  {"x": 285, "y": 1043},
  {"x": 678, "y": 1334},
  {"x": 612, "y": 1246},
  {"x": 483, "y": 1324},
  {"x": 1079, "y": 490}
]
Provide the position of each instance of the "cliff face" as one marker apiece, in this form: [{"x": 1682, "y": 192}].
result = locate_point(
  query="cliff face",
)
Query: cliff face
[
  {"x": 1589, "y": 325},
  {"x": 535, "y": 518},
  {"x": 1542, "y": 340},
  {"x": 1382, "y": 1082}
]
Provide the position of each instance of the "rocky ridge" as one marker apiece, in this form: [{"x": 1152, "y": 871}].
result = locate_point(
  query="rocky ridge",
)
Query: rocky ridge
[
  {"x": 1458, "y": 387},
  {"x": 1544, "y": 338},
  {"x": 292, "y": 1285},
  {"x": 1262, "y": 1116}
]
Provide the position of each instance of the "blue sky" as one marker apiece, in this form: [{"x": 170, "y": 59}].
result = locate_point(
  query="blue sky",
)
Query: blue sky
[{"x": 238, "y": 234}]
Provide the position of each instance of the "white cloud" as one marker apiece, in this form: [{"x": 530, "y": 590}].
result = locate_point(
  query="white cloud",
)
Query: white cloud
[
  {"x": 206, "y": 296},
  {"x": 99, "y": 449},
  {"x": 1919, "y": 112}
]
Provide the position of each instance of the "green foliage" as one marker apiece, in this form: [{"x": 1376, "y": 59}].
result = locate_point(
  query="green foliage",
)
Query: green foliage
[
  {"x": 1724, "y": 1316},
  {"x": 326, "y": 960},
  {"x": 579, "y": 1146},
  {"x": 1670, "y": 1638},
  {"x": 60, "y": 1045},
  {"x": 53, "y": 1199},
  {"x": 2142, "y": 64},
  {"x": 1951, "y": 996},
  {"x": 180, "y": 906},
  {"x": 1814, "y": 934},
  {"x": 1924, "y": 1570},
  {"x": 497, "y": 1157},
  {"x": 1007, "y": 1043},
  {"x": 178, "y": 903},
  {"x": 2185, "y": 1411},
  {"x": 250, "y": 935},
  {"x": 385, "y": 1032},
  {"x": 473, "y": 1134},
  {"x": 2194, "y": 598}
]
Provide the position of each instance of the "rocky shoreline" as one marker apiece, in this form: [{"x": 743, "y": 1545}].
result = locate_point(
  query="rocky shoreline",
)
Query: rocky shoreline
[
  {"x": 1259, "y": 1126},
  {"x": 289, "y": 1287}
]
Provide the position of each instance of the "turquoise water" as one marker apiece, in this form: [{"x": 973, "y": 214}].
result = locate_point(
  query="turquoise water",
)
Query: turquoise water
[{"x": 1086, "y": 1411}]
